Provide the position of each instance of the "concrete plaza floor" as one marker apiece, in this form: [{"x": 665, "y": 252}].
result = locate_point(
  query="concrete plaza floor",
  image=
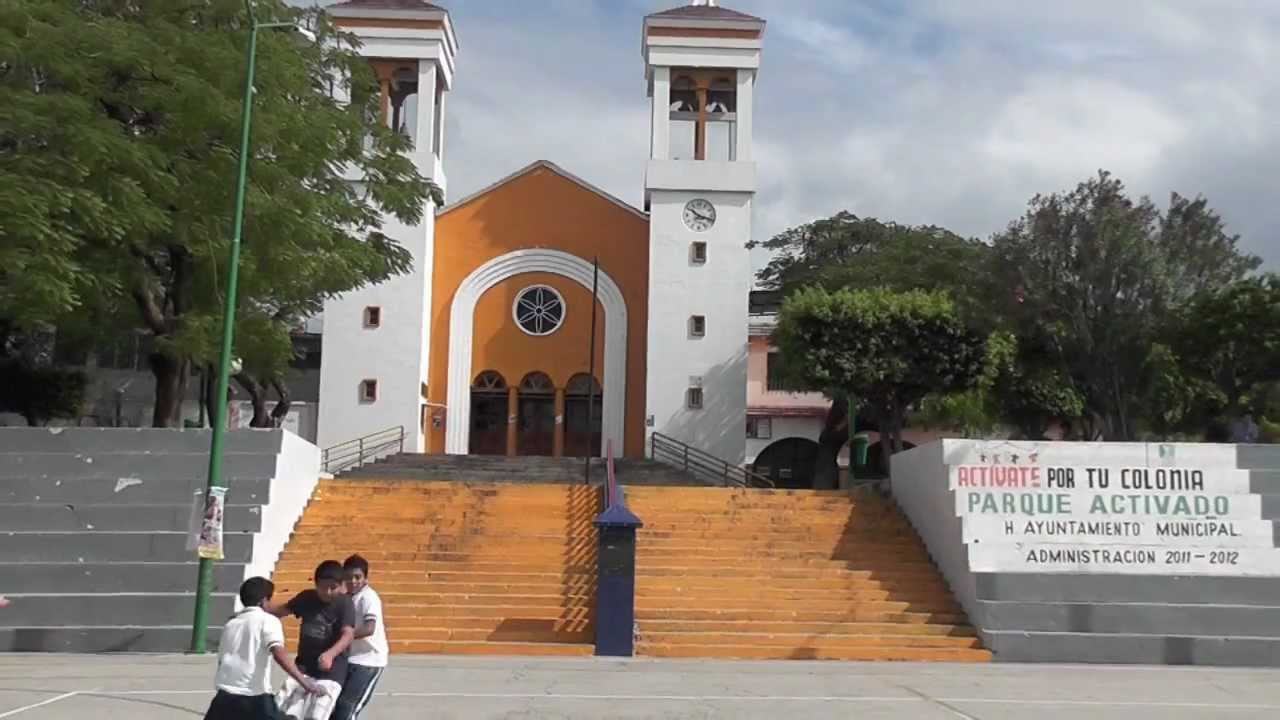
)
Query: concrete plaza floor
[{"x": 150, "y": 687}]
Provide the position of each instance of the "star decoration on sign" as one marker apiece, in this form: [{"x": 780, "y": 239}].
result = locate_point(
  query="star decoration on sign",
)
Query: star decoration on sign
[{"x": 1013, "y": 459}]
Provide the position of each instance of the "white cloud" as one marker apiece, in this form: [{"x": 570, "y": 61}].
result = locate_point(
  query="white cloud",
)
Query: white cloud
[{"x": 922, "y": 111}]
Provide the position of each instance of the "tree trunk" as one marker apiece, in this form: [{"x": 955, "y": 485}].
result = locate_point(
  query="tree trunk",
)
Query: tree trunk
[
  {"x": 281, "y": 410},
  {"x": 834, "y": 435},
  {"x": 209, "y": 394},
  {"x": 171, "y": 376},
  {"x": 258, "y": 396}
]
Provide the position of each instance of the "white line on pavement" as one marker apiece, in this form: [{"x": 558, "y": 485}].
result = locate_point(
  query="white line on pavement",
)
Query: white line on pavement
[
  {"x": 42, "y": 703},
  {"x": 763, "y": 698}
]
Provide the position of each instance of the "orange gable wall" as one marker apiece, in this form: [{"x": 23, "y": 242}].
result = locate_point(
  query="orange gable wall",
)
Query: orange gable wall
[
  {"x": 540, "y": 209},
  {"x": 508, "y": 350}
]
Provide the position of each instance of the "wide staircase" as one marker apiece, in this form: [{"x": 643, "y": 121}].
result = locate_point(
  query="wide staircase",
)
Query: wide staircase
[
  {"x": 738, "y": 573},
  {"x": 462, "y": 568}
]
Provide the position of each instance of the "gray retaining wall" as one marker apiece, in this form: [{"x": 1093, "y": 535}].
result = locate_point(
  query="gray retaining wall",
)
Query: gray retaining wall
[{"x": 95, "y": 526}]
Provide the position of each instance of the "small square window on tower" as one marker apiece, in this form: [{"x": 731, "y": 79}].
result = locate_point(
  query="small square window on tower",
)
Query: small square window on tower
[
  {"x": 372, "y": 316},
  {"x": 368, "y": 391},
  {"x": 697, "y": 325},
  {"x": 698, "y": 253},
  {"x": 693, "y": 398}
]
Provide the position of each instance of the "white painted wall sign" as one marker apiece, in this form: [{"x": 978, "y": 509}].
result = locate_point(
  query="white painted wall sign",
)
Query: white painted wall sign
[
  {"x": 1034, "y": 478},
  {"x": 1123, "y": 559},
  {"x": 1120, "y": 531},
  {"x": 1102, "y": 505}
]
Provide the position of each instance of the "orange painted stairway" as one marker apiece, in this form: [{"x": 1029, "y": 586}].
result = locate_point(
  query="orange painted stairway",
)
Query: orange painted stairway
[
  {"x": 509, "y": 569},
  {"x": 796, "y": 574},
  {"x": 498, "y": 569}
]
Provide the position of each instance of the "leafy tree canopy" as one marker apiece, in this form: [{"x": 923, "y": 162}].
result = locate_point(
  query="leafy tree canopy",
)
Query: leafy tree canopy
[{"x": 119, "y": 136}]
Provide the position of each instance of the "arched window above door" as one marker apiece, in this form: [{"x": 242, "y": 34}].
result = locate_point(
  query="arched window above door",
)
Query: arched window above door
[
  {"x": 582, "y": 384},
  {"x": 537, "y": 383},
  {"x": 490, "y": 380}
]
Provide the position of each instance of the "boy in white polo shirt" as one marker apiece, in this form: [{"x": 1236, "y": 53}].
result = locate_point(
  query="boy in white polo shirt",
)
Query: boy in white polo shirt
[
  {"x": 369, "y": 650},
  {"x": 248, "y": 642}
]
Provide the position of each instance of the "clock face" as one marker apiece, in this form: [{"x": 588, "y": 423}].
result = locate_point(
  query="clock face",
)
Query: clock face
[{"x": 699, "y": 215}]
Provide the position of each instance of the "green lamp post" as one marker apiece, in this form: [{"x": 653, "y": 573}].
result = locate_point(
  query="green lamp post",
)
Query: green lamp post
[{"x": 200, "y": 623}]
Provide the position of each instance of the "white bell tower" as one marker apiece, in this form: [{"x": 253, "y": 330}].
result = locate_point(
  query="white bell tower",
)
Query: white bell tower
[
  {"x": 701, "y": 62},
  {"x": 373, "y": 366}
]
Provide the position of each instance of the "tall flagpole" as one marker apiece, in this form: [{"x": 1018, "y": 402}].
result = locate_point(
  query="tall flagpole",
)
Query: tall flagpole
[{"x": 591, "y": 365}]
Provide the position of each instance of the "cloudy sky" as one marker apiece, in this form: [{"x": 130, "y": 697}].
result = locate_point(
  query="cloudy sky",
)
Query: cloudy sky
[{"x": 953, "y": 112}]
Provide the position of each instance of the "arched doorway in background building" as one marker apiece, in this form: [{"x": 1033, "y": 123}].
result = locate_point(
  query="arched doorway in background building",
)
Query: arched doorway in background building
[
  {"x": 581, "y": 440},
  {"x": 788, "y": 462},
  {"x": 488, "y": 414},
  {"x": 536, "y": 415}
]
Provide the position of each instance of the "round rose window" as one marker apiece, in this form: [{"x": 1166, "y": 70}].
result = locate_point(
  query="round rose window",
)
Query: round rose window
[{"x": 539, "y": 310}]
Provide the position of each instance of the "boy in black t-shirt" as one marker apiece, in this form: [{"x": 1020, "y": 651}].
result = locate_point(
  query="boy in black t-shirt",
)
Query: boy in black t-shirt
[{"x": 328, "y": 627}]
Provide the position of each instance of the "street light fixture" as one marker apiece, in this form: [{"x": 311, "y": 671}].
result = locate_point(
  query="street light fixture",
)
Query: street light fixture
[{"x": 204, "y": 583}]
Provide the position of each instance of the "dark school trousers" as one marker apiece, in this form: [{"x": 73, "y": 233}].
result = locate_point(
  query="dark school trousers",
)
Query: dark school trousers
[{"x": 357, "y": 691}]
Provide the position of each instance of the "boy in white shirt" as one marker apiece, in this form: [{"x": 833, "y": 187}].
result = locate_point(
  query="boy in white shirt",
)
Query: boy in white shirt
[
  {"x": 369, "y": 650},
  {"x": 248, "y": 641}
]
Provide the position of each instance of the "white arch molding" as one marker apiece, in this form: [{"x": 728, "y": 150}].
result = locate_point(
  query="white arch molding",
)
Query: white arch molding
[{"x": 462, "y": 338}]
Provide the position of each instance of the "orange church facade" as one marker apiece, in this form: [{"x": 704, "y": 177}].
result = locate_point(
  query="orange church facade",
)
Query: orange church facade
[{"x": 529, "y": 393}]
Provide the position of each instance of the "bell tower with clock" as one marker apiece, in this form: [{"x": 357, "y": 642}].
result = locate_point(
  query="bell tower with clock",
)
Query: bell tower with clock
[{"x": 701, "y": 62}]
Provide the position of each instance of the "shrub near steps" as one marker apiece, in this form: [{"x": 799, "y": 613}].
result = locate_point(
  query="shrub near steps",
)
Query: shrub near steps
[
  {"x": 789, "y": 574},
  {"x": 462, "y": 568}
]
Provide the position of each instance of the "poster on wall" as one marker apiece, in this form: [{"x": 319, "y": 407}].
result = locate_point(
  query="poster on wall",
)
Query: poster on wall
[{"x": 209, "y": 545}]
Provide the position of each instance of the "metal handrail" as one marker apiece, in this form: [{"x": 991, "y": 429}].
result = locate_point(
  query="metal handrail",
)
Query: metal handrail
[
  {"x": 704, "y": 465},
  {"x": 352, "y": 454},
  {"x": 611, "y": 483}
]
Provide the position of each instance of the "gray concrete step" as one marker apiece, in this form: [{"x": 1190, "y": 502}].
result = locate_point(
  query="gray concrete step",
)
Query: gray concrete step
[
  {"x": 140, "y": 610},
  {"x": 71, "y": 517},
  {"x": 490, "y": 468},
  {"x": 117, "y": 577},
  {"x": 1023, "y": 646},
  {"x": 112, "y": 547},
  {"x": 115, "y": 491},
  {"x": 113, "y": 465},
  {"x": 143, "y": 440},
  {"x": 75, "y": 639},
  {"x": 1131, "y": 618},
  {"x": 1101, "y": 588},
  {"x": 1258, "y": 457}
]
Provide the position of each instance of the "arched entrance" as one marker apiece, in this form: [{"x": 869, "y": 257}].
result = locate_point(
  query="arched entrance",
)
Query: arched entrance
[
  {"x": 582, "y": 426},
  {"x": 788, "y": 462},
  {"x": 536, "y": 415},
  {"x": 488, "y": 414}
]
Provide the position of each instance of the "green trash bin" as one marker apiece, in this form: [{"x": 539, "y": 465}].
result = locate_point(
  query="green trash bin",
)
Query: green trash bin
[{"x": 861, "y": 442}]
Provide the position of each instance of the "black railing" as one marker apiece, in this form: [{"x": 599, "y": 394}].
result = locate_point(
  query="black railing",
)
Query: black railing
[
  {"x": 352, "y": 454},
  {"x": 703, "y": 465}
]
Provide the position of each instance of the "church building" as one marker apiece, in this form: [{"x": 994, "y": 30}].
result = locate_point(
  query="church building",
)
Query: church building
[{"x": 486, "y": 347}]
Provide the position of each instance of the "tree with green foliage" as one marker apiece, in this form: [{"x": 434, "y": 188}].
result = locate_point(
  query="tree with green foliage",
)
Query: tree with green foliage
[
  {"x": 887, "y": 349},
  {"x": 119, "y": 129},
  {"x": 846, "y": 251},
  {"x": 1227, "y": 343},
  {"x": 1092, "y": 275}
]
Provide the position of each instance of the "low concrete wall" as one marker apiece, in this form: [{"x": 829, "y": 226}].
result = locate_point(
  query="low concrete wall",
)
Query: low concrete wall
[
  {"x": 1105, "y": 552},
  {"x": 930, "y": 506},
  {"x": 296, "y": 475}
]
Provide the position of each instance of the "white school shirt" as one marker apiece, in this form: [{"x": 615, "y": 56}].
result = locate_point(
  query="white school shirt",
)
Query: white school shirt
[
  {"x": 244, "y": 652},
  {"x": 371, "y": 651}
]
